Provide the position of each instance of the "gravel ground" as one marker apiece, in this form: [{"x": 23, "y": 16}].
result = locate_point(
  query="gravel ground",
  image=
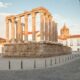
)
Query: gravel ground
[{"x": 70, "y": 71}]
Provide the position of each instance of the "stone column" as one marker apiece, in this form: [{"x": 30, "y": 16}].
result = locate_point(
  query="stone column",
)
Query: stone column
[
  {"x": 50, "y": 25},
  {"x": 56, "y": 33},
  {"x": 33, "y": 26},
  {"x": 53, "y": 33},
  {"x": 20, "y": 33},
  {"x": 42, "y": 27},
  {"x": 12, "y": 28},
  {"x": 46, "y": 27},
  {"x": 16, "y": 30},
  {"x": 26, "y": 28},
  {"x": 7, "y": 30}
]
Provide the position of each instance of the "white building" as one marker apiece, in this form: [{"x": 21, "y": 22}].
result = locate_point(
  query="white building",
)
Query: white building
[
  {"x": 67, "y": 39},
  {"x": 74, "y": 42}
]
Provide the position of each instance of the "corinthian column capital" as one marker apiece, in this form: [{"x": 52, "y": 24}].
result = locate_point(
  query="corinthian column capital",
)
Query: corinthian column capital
[
  {"x": 13, "y": 19},
  {"x": 18, "y": 18},
  {"x": 33, "y": 14}
]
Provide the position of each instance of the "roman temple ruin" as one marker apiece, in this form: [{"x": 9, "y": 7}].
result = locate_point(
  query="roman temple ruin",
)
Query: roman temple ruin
[{"x": 17, "y": 37}]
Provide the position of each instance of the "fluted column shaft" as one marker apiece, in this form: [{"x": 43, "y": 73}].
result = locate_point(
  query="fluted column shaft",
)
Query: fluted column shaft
[
  {"x": 26, "y": 28},
  {"x": 53, "y": 34},
  {"x": 33, "y": 27},
  {"x": 20, "y": 34},
  {"x": 7, "y": 30},
  {"x": 46, "y": 27},
  {"x": 12, "y": 29},
  {"x": 56, "y": 33},
  {"x": 16, "y": 31},
  {"x": 50, "y": 25},
  {"x": 42, "y": 27}
]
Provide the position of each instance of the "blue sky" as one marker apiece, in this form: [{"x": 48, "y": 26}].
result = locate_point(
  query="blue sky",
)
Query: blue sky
[{"x": 63, "y": 11}]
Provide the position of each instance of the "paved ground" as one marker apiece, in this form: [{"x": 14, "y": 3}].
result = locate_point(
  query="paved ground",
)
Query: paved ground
[{"x": 70, "y": 71}]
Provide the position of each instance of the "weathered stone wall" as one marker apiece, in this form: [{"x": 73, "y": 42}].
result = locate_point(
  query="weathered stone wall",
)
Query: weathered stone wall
[{"x": 35, "y": 49}]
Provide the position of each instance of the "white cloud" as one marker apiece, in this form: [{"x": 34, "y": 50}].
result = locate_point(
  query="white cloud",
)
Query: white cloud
[{"x": 4, "y": 5}]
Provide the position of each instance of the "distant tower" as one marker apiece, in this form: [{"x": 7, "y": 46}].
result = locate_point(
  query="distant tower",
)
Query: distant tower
[{"x": 64, "y": 32}]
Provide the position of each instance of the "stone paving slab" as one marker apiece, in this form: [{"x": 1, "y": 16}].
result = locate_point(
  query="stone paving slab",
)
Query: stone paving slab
[{"x": 69, "y": 71}]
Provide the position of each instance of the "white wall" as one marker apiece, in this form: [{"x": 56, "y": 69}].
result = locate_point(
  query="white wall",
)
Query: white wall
[{"x": 0, "y": 48}]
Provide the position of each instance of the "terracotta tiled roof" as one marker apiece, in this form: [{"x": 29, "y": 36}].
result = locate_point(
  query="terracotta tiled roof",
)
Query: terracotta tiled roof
[
  {"x": 75, "y": 36},
  {"x": 2, "y": 40},
  {"x": 31, "y": 32},
  {"x": 71, "y": 36}
]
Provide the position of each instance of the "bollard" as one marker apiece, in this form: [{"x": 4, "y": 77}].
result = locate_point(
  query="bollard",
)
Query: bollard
[
  {"x": 51, "y": 62},
  {"x": 9, "y": 65},
  {"x": 55, "y": 61},
  {"x": 65, "y": 59},
  {"x": 45, "y": 63},
  {"x": 21, "y": 64},
  {"x": 34, "y": 64},
  {"x": 59, "y": 59}
]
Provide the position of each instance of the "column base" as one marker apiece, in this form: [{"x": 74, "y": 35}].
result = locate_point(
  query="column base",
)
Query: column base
[
  {"x": 13, "y": 41},
  {"x": 25, "y": 41},
  {"x": 19, "y": 41},
  {"x": 7, "y": 42}
]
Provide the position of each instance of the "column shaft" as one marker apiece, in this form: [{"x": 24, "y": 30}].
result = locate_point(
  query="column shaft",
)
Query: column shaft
[
  {"x": 12, "y": 29},
  {"x": 33, "y": 27},
  {"x": 42, "y": 27},
  {"x": 7, "y": 30},
  {"x": 16, "y": 31},
  {"x": 26, "y": 28},
  {"x": 46, "y": 27},
  {"x": 20, "y": 33},
  {"x": 50, "y": 24},
  {"x": 56, "y": 33},
  {"x": 53, "y": 31}
]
